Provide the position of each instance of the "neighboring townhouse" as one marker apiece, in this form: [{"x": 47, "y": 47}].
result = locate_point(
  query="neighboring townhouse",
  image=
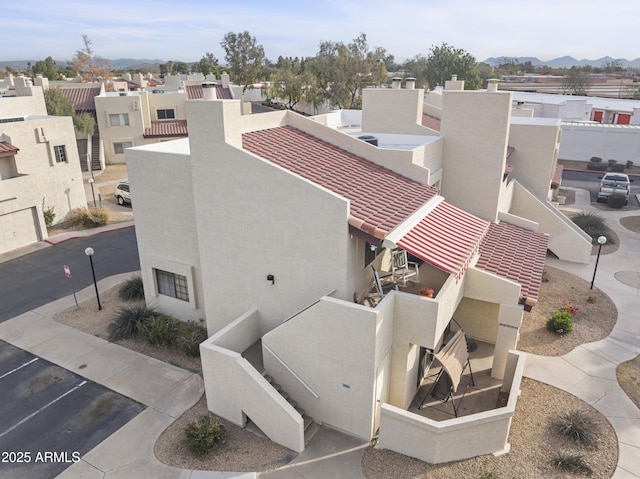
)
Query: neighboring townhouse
[
  {"x": 140, "y": 117},
  {"x": 39, "y": 167},
  {"x": 276, "y": 223}
]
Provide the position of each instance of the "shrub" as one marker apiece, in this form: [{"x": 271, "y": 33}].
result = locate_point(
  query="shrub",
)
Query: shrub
[
  {"x": 612, "y": 162},
  {"x": 125, "y": 324},
  {"x": 132, "y": 289},
  {"x": 568, "y": 307},
  {"x": 88, "y": 218},
  {"x": 572, "y": 463},
  {"x": 629, "y": 164},
  {"x": 616, "y": 200},
  {"x": 619, "y": 168},
  {"x": 596, "y": 159},
  {"x": 593, "y": 224},
  {"x": 560, "y": 322},
  {"x": 578, "y": 425},
  {"x": 48, "y": 214},
  {"x": 190, "y": 337},
  {"x": 596, "y": 166},
  {"x": 160, "y": 330},
  {"x": 202, "y": 435}
]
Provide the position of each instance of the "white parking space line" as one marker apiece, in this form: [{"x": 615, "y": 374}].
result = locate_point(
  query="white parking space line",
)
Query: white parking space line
[
  {"x": 42, "y": 409},
  {"x": 18, "y": 368}
]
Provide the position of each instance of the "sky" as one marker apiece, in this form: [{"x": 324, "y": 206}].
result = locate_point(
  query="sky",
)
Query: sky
[{"x": 185, "y": 30}]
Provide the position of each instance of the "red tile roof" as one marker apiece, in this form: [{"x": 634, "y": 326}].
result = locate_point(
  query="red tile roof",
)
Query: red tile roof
[
  {"x": 516, "y": 254},
  {"x": 194, "y": 92},
  {"x": 380, "y": 199},
  {"x": 7, "y": 149},
  {"x": 82, "y": 98},
  {"x": 166, "y": 129},
  {"x": 447, "y": 237},
  {"x": 431, "y": 122}
]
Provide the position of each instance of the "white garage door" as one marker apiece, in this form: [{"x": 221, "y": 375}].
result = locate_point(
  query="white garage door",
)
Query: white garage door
[{"x": 18, "y": 229}]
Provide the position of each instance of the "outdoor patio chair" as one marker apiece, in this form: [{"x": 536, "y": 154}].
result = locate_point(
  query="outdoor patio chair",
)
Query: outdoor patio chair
[
  {"x": 383, "y": 284},
  {"x": 401, "y": 268}
]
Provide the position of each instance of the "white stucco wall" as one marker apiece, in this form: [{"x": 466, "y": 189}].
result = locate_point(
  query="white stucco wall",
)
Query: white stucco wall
[
  {"x": 583, "y": 141},
  {"x": 163, "y": 202}
]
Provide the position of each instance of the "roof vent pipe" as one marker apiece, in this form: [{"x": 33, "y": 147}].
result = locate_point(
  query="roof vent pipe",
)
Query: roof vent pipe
[
  {"x": 410, "y": 83},
  {"x": 209, "y": 91},
  {"x": 395, "y": 83},
  {"x": 492, "y": 85}
]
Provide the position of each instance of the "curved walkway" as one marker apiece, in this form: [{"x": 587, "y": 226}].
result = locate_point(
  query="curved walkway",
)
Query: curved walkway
[{"x": 589, "y": 371}]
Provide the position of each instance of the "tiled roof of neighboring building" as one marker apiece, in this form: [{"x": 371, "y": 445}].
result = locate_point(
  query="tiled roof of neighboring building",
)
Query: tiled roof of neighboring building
[
  {"x": 7, "y": 149},
  {"x": 516, "y": 254},
  {"x": 447, "y": 237},
  {"x": 194, "y": 92},
  {"x": 166, "y": 129},
  {"x": 82, "y": 98},
  {"x": 380, "y": 199},
  {"x": 431, "y": 122}
]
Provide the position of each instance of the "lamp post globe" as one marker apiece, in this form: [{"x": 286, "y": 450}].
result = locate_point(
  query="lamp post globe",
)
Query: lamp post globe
[
  {"x": 89, "y": 252},
  {"x": 601, "y": 240}
]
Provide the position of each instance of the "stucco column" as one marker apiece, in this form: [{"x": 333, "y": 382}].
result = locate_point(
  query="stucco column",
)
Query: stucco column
[{"x": 509, "y": 321}]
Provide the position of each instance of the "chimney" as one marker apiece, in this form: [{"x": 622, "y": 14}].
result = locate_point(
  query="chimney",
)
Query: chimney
[
  {"x": 395, "y": 83},
  {"x": 410, "y": 83},
  {"x": 454, "y": 77},
  {"x": 492, "y": 85},
  {"x": 209, "y": 91}
]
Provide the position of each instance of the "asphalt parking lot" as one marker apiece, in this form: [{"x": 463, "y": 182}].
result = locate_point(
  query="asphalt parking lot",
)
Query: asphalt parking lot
[{"x": 49, "y": 417}]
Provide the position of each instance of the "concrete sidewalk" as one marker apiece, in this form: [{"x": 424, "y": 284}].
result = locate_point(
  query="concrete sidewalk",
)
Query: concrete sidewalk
[{"x": 589, "y": 371}]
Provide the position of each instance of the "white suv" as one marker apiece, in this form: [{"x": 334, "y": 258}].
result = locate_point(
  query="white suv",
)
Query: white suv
[
  {"x": 612, "y": 183},
  {"x": 123, "y": 193}
]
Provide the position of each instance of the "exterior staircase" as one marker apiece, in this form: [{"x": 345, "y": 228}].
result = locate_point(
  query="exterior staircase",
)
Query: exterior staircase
[
  {"x": 95, "y": 152},
  {"x": 310, "y": 427}
]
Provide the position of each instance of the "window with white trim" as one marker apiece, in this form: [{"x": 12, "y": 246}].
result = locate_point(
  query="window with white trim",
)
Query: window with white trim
[
  {"x": 119, "y": 119},
  {"x": 172, "y": 285},
  {"x": 166, "y": 114},
  {"x": 119, "y": 147},
  {"x": 61, "y": 154}
]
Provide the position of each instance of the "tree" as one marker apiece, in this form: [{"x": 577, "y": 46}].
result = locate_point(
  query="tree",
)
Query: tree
[
  {"x": 60, "y": 105},
  {"x": 57, "y": 103},
  {"x": 244, "y": 56},
  {"x": 575, "y": 82},
  {"x": 88, "y": 65},
  {"x": 208, "y": 64},
  {"x": 445, "y": 61},
  {"x": 180, "y": 68},
  {"x": 47, "y": 68}
]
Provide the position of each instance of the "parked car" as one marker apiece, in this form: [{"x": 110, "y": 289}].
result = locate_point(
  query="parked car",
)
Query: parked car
[
  {"x": 612, "y": 183},
  {"x": 123, "y": 193}
]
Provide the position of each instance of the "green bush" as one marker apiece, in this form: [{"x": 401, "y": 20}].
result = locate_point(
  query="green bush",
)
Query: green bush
[
  {"x": 596, "y": 159},
  {"x": 596, "y": 166},
  {"x": 616, "y": 200},
  {"x": 560, "y": 322},
  {"x": 132, "y": 289},
  {"x": 593, "y": 224},
  {"x": 578, "y": 425},
  {"x": 160, "y": 330},
  {"x": 125, "y": 324},
  {"x": 619, "y": 168},
  {"x": 203, "y": 435},
  {"x": 48, "y": 214},
  {"x": 190, "y": 337},
  {"x": 88, "y": 218},
  {"x": 572, "y": 463}
]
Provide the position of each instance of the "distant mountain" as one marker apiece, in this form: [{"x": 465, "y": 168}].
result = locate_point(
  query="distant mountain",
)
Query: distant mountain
[
  {"x": 564, "y": 62},
  {"x": 121, "y": 63}
]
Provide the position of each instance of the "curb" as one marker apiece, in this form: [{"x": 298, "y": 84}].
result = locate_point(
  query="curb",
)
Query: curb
[{"x": 85, "y": 233}]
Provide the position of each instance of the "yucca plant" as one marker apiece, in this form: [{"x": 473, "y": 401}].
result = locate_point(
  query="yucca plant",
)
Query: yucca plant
[
  {"x": 577, "y": 424},
  {"x": 125, "y": 323},
  {"x": 572, "y": 463},
  {"x": 132, "y": 289}
]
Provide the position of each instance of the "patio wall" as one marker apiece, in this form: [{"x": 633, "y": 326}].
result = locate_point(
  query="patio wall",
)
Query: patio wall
[
  {"x": 235, "y": 389},
  {"x": 454, "y": 439}
]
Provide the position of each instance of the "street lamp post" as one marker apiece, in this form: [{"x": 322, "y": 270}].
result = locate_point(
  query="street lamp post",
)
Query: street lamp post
[
  {"x": 89, "y": 252},
  {"x": 601, "y": 240},
  {"x": 93, "y": 193}
]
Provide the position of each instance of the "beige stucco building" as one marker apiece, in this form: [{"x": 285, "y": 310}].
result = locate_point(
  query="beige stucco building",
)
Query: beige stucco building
[
  {"x": 270, "y": 228},
  {"x": 39, "y": 167}
]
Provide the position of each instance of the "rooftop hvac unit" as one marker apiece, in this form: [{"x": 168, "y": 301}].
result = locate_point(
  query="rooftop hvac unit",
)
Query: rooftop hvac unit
[{"x": 369, "y": 139}]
